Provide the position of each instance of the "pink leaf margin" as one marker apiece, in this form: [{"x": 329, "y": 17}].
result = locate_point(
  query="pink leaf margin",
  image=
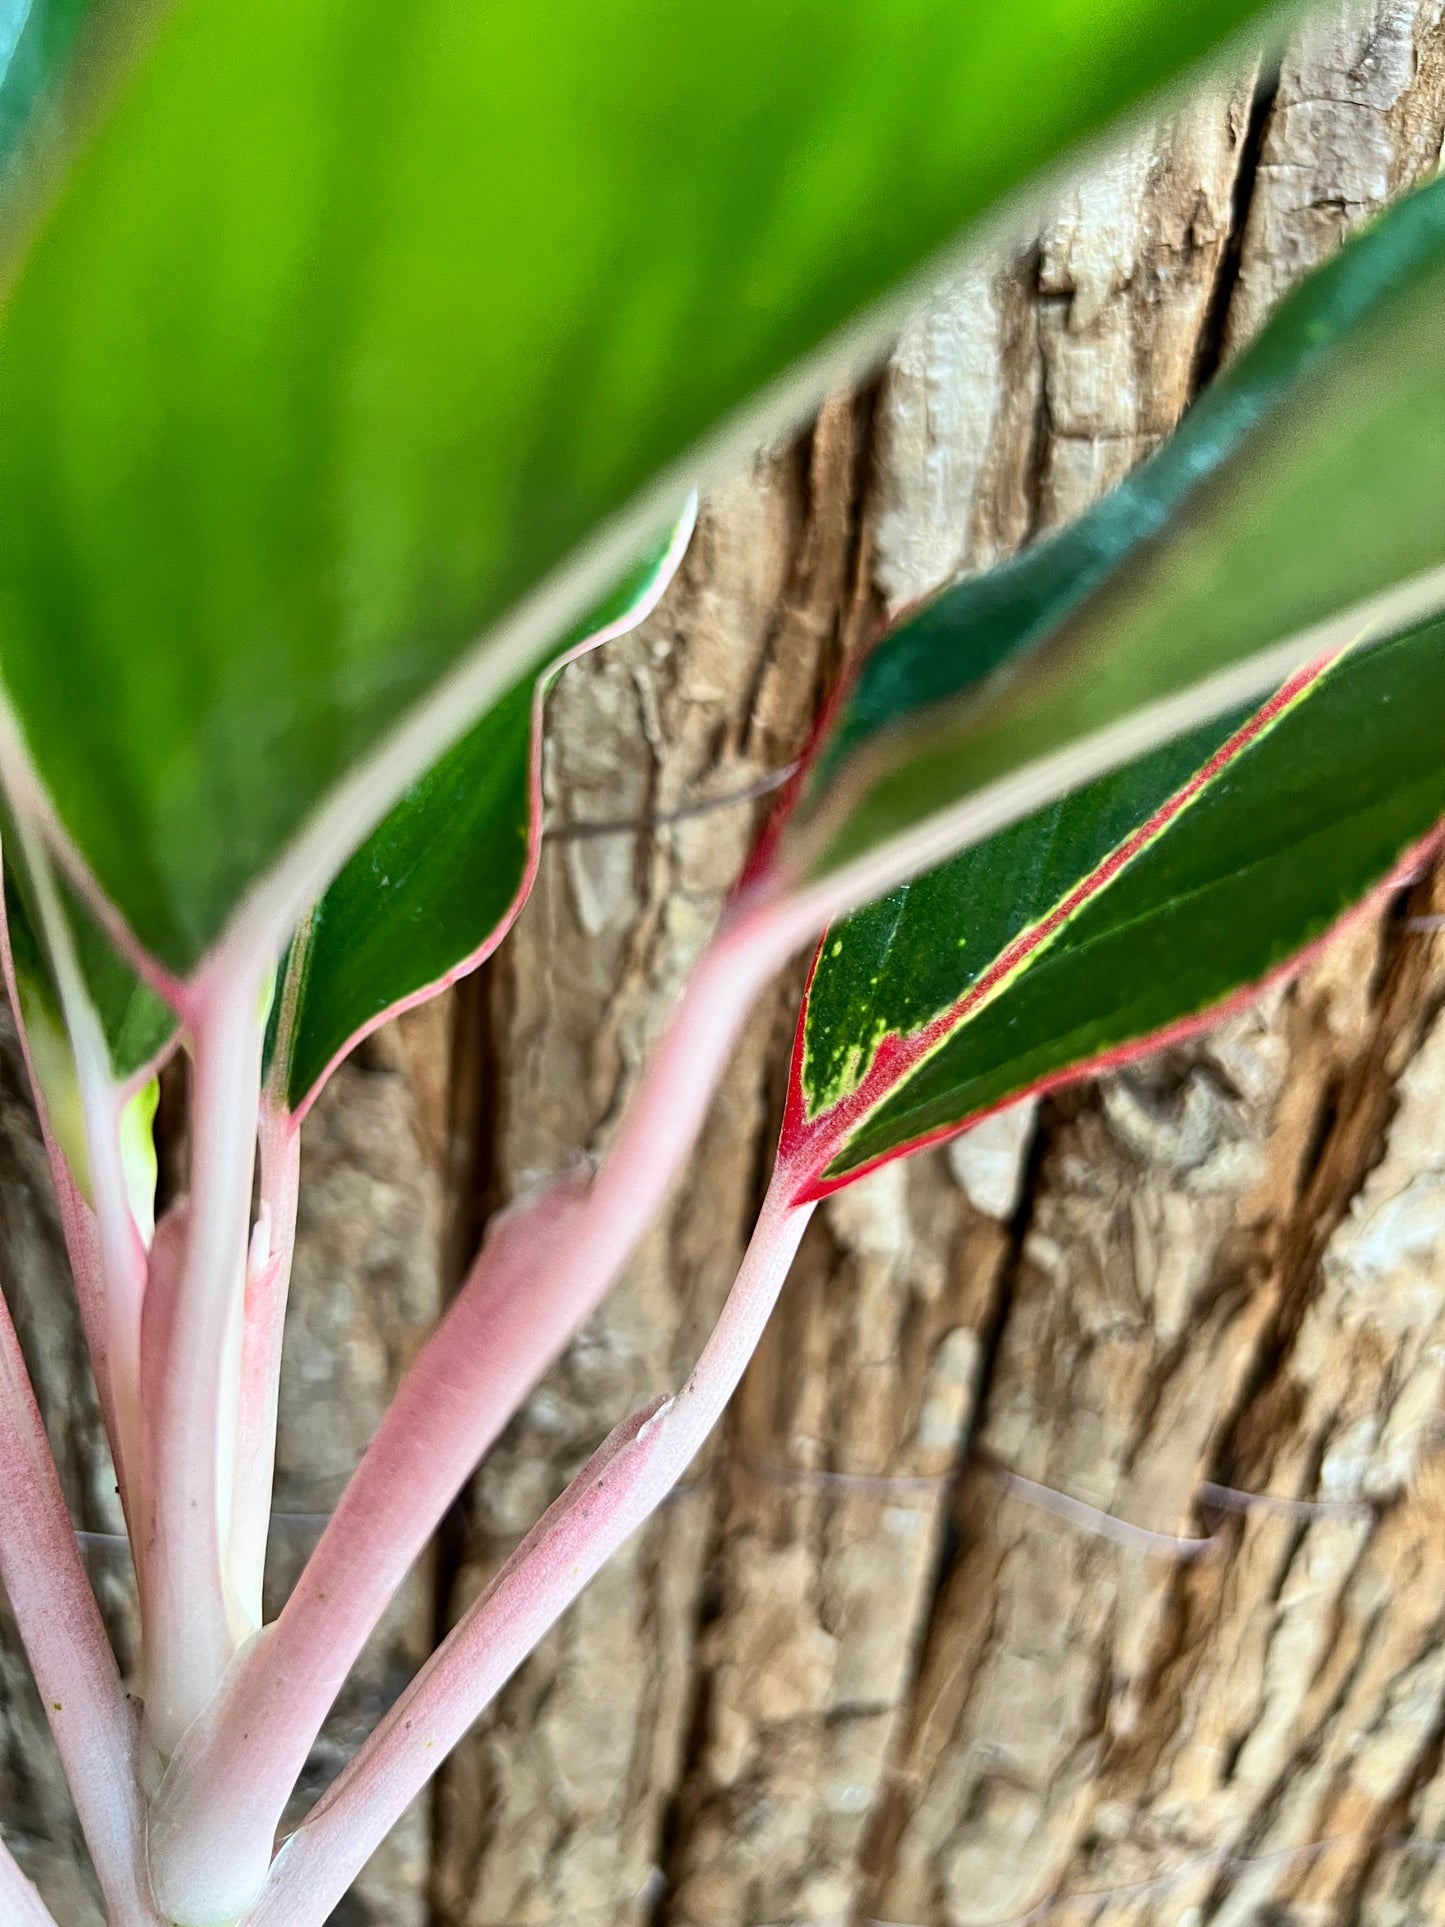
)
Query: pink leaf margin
[
  {"x": 185, "y": 994},
  {"x": 809, "y": 1144},
  {"x": 630, "y": 619}
]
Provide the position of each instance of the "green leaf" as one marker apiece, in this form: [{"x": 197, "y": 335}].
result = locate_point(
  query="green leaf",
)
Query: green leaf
[
  {"x": 51, "y": 1057},
  {"x": 1128, "y": 908},
  {"x": 138, "y": 1026},
  {"x": 1308, "y": 479},
  {"x": 354, "y": 320},
  {"x": 436, "y": 886},
  {"x": 37, "y": 43}
]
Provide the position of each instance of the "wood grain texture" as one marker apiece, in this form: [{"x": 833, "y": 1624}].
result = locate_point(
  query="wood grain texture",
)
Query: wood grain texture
[
  {"x": 367, "y": 1287},
  {"x": 1356, "y": 118},
  {"x": 557, "y": 1807},
  {"x": 1019, "y": 397},
  {"x": 937, "y": 1686}
]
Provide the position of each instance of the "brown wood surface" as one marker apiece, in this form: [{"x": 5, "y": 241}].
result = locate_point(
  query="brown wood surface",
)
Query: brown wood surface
[{"x": 862, "y": 1669}]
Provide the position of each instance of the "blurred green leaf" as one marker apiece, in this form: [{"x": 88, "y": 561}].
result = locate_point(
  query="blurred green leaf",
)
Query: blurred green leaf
[
  {"x": 437, "y": 884},
  {"x": 353, "y": 320},
  {"x": 37, "y": 39},
  {"x": 1027, "y": 958},
  {"x": 1307, "y": 479},
  {"x": 137, "y": 1024},
  {"x": 46, "y": 1037},
  {"x": 143, "y": 1030}
]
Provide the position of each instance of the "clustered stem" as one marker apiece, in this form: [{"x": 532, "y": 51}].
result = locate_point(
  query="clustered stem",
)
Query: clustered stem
[
  {"x": 190, "y": 1366},
  {"x": 624, "y": 1481},
  {"x": 186, "y": 1341},
  {"x": 540, "y": 1274},
  {"x": 185, "y": 1329},
  {"x": 268, "y": 1278}
]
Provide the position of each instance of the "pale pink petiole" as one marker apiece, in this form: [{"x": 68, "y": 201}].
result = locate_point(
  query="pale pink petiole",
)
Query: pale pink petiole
[
  {"x": 532, "y": 1287},
  {"x": 77, "y": 1221},
  {"x": 119, "y": 1249},
  {"x": 95, "y": 1728},
  {"x": 104, "y": 1243},
  {"x": 427, "y": 1444},
  {"x": 268, "y": 1277},
  {"x": 620, "y": 1486},
  {"x": 191, "y": 1359}
]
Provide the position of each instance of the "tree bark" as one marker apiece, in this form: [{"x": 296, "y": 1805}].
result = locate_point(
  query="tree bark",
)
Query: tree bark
[
  {"x": 863, "y": 1669},
  {"x": 869, "y": 1678}
]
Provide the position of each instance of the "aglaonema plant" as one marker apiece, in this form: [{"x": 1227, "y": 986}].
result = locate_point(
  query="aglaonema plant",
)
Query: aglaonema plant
[{"x": 355, "y": 365}]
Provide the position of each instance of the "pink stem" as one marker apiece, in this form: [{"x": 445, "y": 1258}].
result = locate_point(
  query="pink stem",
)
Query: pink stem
[
  {"x": 533, "y": 1284},
  {"x": 426, "y": 1445},
  {"x": 190, "y": 1366},
  {"x": 22, "y": 1906},
  {"x": 82, "y": 1246},
  {"x": 268, "y": 1277},
  {"x": 107, "y": 1257},
  {"x": 93, "y": 1722},
  {"x": 615, "y": 1492},
  {"x": 77, "y": 1220},
  {"x": 122, "y": 1256}
]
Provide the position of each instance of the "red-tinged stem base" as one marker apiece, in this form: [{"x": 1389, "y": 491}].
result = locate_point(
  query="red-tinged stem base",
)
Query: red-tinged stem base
[
  {"x": 622, "y": 1484},
  {"x": 190, "y": 1367},
  {"x": 94, "y": 1724},
  {"x": 268, "y": 1278},
  {"x": 215, "y": 1817}
]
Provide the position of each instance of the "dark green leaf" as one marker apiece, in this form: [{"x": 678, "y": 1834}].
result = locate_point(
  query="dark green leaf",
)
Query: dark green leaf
[
  {"x": 1309, "y": 478},
  {"x": 982, "y": 980},
  {"x": 138, "y": 1025},
  {"x": 435, "y": 887},
  {"x": 354, "y": 319}
]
